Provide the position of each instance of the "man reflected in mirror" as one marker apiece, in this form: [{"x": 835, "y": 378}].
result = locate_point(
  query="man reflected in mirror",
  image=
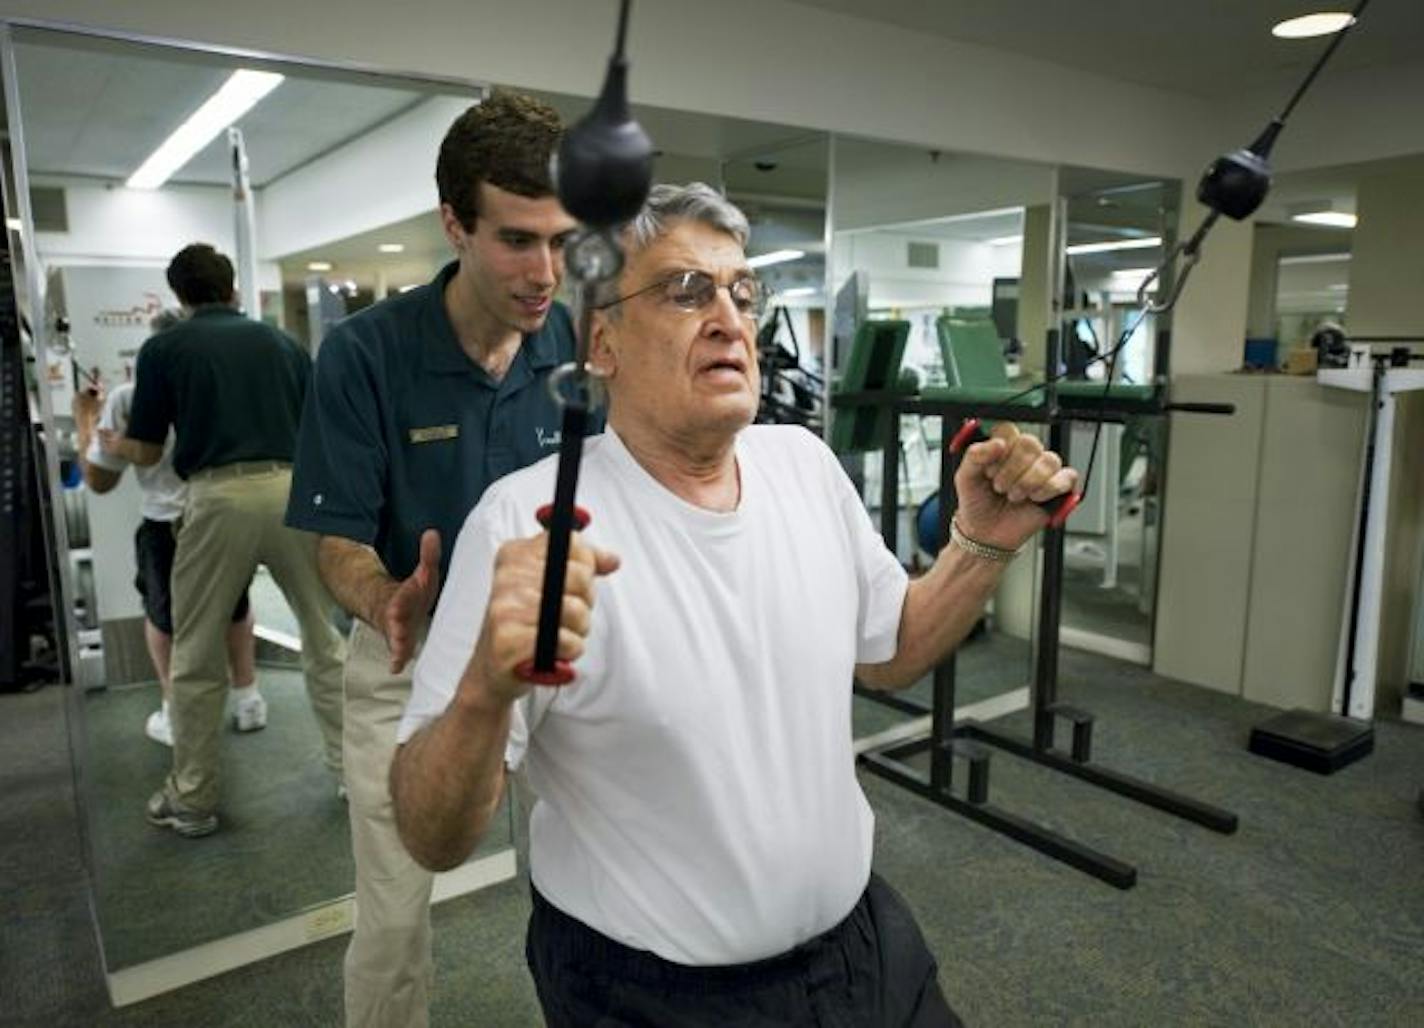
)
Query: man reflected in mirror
[
  {"x": 418, "y": 404},
  {"x": 231, "y": 390},
  {"x": 163, "y": 494}
]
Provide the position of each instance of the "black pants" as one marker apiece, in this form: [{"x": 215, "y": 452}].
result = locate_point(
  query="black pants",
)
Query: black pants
[
  {"x": 155, "y": 544},
  {"x": 872, "y": 970}
]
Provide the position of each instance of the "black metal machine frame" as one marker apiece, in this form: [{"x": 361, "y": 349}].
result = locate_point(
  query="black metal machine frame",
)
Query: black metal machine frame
[{"x": 971, "y": 741}]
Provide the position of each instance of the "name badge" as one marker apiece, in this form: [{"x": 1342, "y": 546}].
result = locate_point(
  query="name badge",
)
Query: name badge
[{"x": 434, "y": 433}]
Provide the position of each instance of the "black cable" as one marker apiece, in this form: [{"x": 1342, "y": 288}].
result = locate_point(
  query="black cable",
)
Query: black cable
[
  {"x": 623, "y": 29},
  {"x": 1339, "y": 38}
]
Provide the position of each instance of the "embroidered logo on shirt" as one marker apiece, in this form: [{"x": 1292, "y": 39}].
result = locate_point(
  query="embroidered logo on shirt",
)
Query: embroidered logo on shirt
[
  {"x": 434, "y": 433},
  {"x": 550, "y": 439}
]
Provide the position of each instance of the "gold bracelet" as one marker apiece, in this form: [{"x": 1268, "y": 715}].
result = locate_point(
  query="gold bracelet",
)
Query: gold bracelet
[{"x": 978, "y": 549}]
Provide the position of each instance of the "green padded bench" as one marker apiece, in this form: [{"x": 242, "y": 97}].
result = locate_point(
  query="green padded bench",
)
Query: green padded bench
[{"x": 873, "y": 365}]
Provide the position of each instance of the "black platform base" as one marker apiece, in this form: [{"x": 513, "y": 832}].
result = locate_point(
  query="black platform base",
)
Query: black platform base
[{"x": 1323, "y": 743}]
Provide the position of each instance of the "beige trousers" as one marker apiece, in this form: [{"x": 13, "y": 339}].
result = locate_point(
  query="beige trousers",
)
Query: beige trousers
[
  {"x": 233, "y": 522},
  {"x": 389, "y": 968}
]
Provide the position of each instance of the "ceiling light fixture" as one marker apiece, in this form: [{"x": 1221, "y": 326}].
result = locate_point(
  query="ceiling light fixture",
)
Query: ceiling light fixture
[
  {"x": 319, "y": 266},
  {"x": 234, "y": 98},
  {"x": 1115, "y": 244},
  {"x": 1315, "y": 258},
  {"x": 775, "y": 257},
  {"x": 1330, "y": 219},
  {"x": 391, "y": 248},
  {"x": 800, "y": 291},
  {"x": 1308, "y": 26}
]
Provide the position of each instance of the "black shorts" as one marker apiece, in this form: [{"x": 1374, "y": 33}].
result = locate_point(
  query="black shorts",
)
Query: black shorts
[
  {"x": 155, "y": 544},
  {"x": 873, "y": 970}
]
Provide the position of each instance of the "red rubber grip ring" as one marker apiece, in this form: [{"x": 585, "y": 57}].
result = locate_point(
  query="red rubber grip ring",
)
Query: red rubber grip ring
[
  {"x": 1070, "y": 504},
  {"x": 545, "y": 514},
  {"x": 964, "y": 436},
  {"x": 562, "y": 674}
]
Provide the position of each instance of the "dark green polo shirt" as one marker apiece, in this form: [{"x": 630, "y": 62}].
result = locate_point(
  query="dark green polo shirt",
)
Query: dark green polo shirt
[
  {"x": 232, "y": 388},
  {"x": 402, "y": 431}
]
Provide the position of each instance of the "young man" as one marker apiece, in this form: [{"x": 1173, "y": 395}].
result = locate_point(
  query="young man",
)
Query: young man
[
  {"x": 418, "y": 404},
  {"x": 155, "y": 543},
  {"x": 231, "y": 389},
  {"x": 700, "y": 850}
]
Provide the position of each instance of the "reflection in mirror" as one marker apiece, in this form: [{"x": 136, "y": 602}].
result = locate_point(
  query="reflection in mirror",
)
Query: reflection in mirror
[
  {"x": 316, "y": 143},
  {"x": 1300, "y": 267},
  {"x": 1117, "y": 228},
  {"x": 939, "y": 271}
]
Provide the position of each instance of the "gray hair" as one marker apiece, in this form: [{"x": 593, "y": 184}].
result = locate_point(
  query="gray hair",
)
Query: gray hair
[
  {"x": 696, "y": 201},
  {"x": 165, "y": 319},
  {"x": 666, "y": 205}
]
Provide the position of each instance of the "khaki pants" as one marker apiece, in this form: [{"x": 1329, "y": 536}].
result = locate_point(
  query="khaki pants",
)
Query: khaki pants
[
  {"x": 232, "y": 523},
  {"x": 389, "y": 968}
]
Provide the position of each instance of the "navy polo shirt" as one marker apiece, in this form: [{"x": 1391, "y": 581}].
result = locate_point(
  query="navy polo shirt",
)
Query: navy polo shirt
[
  {"x": 230, "y": 387},
  {"x": 402, "y": 431}
]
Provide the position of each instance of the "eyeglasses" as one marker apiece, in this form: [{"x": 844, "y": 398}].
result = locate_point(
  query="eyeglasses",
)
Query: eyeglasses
[{"x": 694, "y": 290}]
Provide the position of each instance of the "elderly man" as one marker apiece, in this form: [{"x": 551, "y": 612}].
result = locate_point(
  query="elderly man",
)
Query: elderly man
[{"x": 701, "y": 849}]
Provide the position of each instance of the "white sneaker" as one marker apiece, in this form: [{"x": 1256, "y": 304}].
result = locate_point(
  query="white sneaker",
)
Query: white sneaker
[
  {"x": 250, "y": 715},
  {"x": 157, "y": 727}
]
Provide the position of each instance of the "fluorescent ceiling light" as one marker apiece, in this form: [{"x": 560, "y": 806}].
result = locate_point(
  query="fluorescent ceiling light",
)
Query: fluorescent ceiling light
[
  {"x": 1115, "y": 244},
  {"x": 800, "y": 291},
  {"x": 234, "y": 98},
  {"x": 1004, "y": 241},
  {"x": 1316, "y": 258},
  {"x": 775, "y": 257},
  {"x": 391, "y": 248},
  {"x": 319, "y": 266},
  {"x": 1307, "y": 25},
  {"x": 1333, "y": 219}
]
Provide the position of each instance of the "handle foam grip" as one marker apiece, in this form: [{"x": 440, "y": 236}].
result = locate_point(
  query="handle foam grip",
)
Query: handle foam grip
[
  {"x": 545, "y": 516},
  {"x": 561, "y": 674}
]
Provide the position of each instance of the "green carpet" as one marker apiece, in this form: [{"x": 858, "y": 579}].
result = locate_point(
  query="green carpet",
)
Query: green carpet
[{"x": 1312, "y": 913}]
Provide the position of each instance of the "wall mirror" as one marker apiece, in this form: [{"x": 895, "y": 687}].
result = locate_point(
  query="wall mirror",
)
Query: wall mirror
[
  {"x": 938, "y": 276},
  {"x": 89, "y": 111},
  {"x": 1116, "y": 229}
]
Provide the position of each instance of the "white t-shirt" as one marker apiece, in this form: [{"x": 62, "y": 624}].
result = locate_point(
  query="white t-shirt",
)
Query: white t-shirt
[
  {"x": 164, "y": 493},
  {"x": 696, "y": 782}
]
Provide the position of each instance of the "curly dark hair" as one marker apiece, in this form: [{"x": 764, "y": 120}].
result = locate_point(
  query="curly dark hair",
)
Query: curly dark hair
[
  {"x": 505, "y": 140},
  {"x": 199, "y": 275}
]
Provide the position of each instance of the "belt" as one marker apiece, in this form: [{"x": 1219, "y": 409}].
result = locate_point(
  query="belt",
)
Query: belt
[{"x": 240, "y": 469}]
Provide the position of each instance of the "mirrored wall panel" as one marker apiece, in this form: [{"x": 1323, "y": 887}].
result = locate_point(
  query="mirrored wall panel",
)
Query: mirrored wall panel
[
  {"x": 938, "y": 275},
  {"x": 334, "y": 207},
  {"x": 1118, "y": 228}
]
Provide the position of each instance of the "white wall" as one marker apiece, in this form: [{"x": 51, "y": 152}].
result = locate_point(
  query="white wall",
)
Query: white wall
[
  {"x": 377, "y": 179},
  {"x": 875, "y": 184},
  {"x": 765, "y": 59},
  {"x": 108, "y": 223},
  {"x": 965, "y": 274},
  {"x": 1209, "y": 321},
  {"x": 1349, "y": 116}
]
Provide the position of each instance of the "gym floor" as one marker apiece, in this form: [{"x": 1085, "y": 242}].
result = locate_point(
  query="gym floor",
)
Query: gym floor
[{"x": 1310, "y": 914}]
